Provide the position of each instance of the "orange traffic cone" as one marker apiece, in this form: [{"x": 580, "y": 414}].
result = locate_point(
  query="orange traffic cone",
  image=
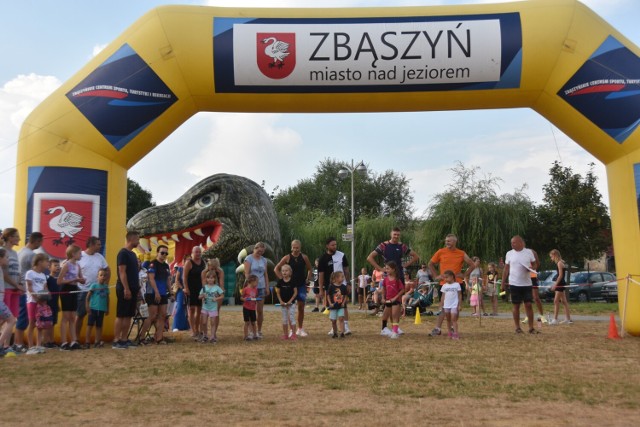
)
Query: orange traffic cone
[{"x": 613, "y": 329}]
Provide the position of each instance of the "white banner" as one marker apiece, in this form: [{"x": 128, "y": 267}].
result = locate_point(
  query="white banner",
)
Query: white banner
[{"x": 347, "y": 54}]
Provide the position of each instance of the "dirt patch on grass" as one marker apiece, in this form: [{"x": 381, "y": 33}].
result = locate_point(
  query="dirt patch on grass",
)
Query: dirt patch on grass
[{"x": 568, "y": 375}]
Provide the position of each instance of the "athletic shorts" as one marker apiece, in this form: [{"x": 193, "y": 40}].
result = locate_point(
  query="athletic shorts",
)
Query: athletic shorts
[
  {"x": 95, "y": 318},
  {"x": 5, "y": 313},
  {"x": 151, "y": 299},
  {"x": 68, "y": 301},
  {"x": 248, "y": 315},
  {"x": 453, "y": 310},
  {"x": 520, "y": 294},
  {"x": 126, "y": 307},
  {"x": 534, "y": 282},
  {"x": 336, "y": 314},
  {"x": 209, "y": 313},
  {"x": 391, "y": 304},
  {"x": 361, "y": 291},
  {"x": 302, "y": 293},
  {"x": 23, "y": 317},
  {"x": 81, "y": 310},
  {"x": 12, "y": 300},
  {"x": 316, "y": 290}
]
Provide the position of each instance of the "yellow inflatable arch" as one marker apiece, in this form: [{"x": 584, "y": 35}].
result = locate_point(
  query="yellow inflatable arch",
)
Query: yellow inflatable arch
[{"x": 554, "y": 56}]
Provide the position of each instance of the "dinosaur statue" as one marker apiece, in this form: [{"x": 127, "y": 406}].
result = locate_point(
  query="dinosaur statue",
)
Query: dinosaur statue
[{"x": 222, "y": 213}]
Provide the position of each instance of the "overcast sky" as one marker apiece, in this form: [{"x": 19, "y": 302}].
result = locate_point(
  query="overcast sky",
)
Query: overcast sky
[{"x": 45, "y": 42}]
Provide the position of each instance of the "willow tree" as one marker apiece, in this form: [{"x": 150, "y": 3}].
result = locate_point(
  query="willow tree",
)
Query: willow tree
[{"x": 472, "y": 209}]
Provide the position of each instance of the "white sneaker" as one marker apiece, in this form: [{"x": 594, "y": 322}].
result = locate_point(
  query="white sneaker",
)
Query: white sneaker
[
  {"x": 259, "y": 336},
  {"x": 250, "y": 336},
  {"x": 302, "y": 333},
  {"x": 400, "y": 331},
  {"x": 290, "y": 333},
  {"x": 554, "y": 322},
  {"x": 386, "y": 332},
  {"x": 347, "y": 331},
  {"x": 330, "y": 332},
  {"x": 33, "y": 350},
  {"x": 394, "y": 336}
]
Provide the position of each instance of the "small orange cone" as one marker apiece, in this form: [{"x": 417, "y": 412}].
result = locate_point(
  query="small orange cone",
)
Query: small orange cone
[{"x": 613, "y": 329}]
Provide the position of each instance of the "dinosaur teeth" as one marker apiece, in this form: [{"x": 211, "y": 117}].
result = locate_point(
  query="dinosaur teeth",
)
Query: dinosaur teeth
[
  {"x": 209, "y": 242},
  {"x": 165, "y": 239},
  {"x": 242, "y": 255},
  {"x": 187, "y": 235},
  {"x": 199, "y": 232},
  {"x": 154, "y": 241},
  {"x": 175, "y": 237},
  {"x": 145, "y": 245}
]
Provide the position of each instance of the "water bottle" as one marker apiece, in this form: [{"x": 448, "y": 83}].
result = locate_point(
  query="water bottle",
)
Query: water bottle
[{"x": 539, "y": 322}]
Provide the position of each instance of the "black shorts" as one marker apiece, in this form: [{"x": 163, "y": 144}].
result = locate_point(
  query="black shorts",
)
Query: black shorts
[
  {"x": 68, "y": 301},
  {"x": 534, "y": 282},
  {"x": 248, "y": 315},
  {"x": 391, "y": 304},
  {"x": 151, "y": 300},
  {"x": 316, "y": 290},
  {"x": 126, "y": 307},
  {"x": 361, "y": 291},
  {"x": 194, "y": 292},
  {"x": 520, "y": 294},
  {"x": 95, "y": 318}
]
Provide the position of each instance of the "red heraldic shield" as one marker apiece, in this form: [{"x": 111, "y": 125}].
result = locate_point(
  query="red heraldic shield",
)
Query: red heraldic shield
[
  {"x": 276, "y": 54},
  {"x": 65, "y": 222}
]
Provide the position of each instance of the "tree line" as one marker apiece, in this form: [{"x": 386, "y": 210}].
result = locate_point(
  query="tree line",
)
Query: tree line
[{"x": 571, "y": 217}]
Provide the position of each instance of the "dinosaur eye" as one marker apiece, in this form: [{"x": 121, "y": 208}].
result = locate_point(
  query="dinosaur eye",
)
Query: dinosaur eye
[{"x": 207, "y": 200}]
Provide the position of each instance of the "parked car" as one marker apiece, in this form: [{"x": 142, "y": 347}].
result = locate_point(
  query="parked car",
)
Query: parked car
[
  {"x": 546, "y": 279},
  {"x": 610, "y": 291},
  {"x": 587, "y": 285}
]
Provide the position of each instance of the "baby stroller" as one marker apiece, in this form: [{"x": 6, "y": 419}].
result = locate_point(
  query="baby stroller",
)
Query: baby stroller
[{"x": 421, "y": 299}]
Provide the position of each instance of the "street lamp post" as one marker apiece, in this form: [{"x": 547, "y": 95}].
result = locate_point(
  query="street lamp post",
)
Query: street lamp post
[{"x": 343, "y": 173}]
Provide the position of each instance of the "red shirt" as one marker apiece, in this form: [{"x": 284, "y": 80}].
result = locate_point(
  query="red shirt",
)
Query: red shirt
[
  {"x": 392, "y": 287},
  {"x": 249, "y": 292}
]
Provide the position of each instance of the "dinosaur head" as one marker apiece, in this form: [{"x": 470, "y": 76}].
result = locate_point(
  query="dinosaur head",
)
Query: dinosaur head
[{"x": 222, "y": 214}]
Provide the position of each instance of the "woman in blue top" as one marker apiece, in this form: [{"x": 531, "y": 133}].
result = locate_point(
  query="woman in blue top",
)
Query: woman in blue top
[
  {"x": 256, "y": 264},
  {"x": 180, "y": 322}
]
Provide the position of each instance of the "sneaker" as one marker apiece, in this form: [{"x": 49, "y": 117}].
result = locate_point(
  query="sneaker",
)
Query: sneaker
[
  {"x": 330, "y": 332},
  {"x": 75, "y": 346},
  {"x": 394, "y": 336},
  {"x": 554, "y": 322},
  {"x": 290, "y": 333},
  {"x": 334, "y": 335},
  {"x": 519, "y": 331},
  {"x": 204, "y": 339},
  {"x": 544, "y": 319},
  {"x": 435, "y": 332},
  {"x": 400, "y": 331},
  {"x": 525, "y": 320},
  {"x": 19, "y": 349},
  {"x": 65, "y": 346},
  {"x": 32, "y": 350},
  {"x": 117, "y": 345},
  {"x": 569, "y": 322},
  {"x": 86, "y": 346},
  {"x": 284, "y": 337},
  {"x": 259, "y": 336},
  {"x": 294, "y": 337},
  {"x": 315, "y": 310},
  {"x": 248, "y": 338},
  {"x": 301, "y": 332},
  {"x": 130, "y": 344},
  {"x": 534, "y": 331},
  {"x": 213, "y": 340},
  {"x": 455, "y": 336},
  {"x": 41, "y": 349},
  {"x": 386, "y": 332},
  {"x": 347, "y": 331},
  {"x": 341, "y": 334}
]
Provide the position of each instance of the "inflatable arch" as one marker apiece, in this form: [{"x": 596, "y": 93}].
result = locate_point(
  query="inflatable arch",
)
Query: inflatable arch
[{"x": 554, "y": 56}]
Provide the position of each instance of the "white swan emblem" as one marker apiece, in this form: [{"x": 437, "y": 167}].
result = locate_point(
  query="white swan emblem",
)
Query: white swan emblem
[
  {"x": 278, "y": 50},
  {"x": 66, "y": 223}
]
